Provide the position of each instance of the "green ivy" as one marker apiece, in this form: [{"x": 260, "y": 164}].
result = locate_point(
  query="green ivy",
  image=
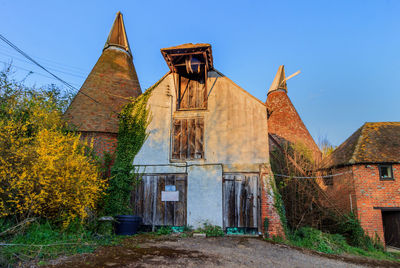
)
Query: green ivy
[
  {"x": 280, "y": 208},
  {"x": 133, "y": 121}
]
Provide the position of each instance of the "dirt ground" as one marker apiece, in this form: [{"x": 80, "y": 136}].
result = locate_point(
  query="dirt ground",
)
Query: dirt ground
[{"x": 145, "y": 251}]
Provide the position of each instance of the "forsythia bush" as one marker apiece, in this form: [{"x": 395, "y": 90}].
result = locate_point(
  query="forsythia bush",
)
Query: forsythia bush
[{"x": 44, "y": 170}]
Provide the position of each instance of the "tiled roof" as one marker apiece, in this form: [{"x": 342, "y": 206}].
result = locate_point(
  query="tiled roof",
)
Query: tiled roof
[
  {"x": 110, "y": 84},
  {"x": 372, "y": 143}
]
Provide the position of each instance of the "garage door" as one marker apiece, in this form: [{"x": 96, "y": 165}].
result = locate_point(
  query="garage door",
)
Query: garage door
[
  {"x": 160, "y": 199},
  {"x": 391, "y": 227},
  {"x": 240, "y": 200}
]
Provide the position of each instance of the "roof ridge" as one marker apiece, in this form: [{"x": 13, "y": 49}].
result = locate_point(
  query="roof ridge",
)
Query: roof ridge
[{"x": 358, "y": 144}]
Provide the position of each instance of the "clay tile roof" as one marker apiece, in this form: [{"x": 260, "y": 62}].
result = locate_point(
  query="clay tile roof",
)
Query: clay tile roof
[
  {"x": 110, "y": 84},
  {"x": 172, "y": 54},
  {"x": 372, "y": 143},
  {"x": 187, "y": 46}
]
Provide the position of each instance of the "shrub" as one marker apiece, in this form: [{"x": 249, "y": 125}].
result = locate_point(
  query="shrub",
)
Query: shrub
[
  {"x": 164, "y": 230},
  {"x": 44, "y": 170},
  {"x": 211, "y": 230}
]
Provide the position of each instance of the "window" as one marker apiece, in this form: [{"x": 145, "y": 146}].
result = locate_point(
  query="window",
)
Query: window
[
  {"x": 385, "y": 172},
  {"x": 192, "y": 92},
  {"x": 188, "y": 134}
]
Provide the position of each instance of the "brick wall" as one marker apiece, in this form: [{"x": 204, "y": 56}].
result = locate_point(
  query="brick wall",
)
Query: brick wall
[
  {"x": 372, "y": 192},
  {"x": 268, "y": 209},
  {"x": 102, "y": 141}
]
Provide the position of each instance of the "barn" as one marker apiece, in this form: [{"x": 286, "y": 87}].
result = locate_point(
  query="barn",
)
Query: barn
[
  {"x": 367, "y": 169},
  {"x": 206, "y": 159}
]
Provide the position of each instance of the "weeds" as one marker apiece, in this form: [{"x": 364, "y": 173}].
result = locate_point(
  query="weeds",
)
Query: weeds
[
  {"x": 211, "y": 230},
  {"x": 42, "y": 240}
]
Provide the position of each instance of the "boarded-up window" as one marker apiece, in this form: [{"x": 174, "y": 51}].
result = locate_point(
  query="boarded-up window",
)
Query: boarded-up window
[
  {"x": 192, "y": 93},
  {"x": 188, "y": 135}
]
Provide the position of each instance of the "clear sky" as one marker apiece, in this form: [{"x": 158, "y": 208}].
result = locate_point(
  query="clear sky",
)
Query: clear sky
[{"x": 348, "y": 51}]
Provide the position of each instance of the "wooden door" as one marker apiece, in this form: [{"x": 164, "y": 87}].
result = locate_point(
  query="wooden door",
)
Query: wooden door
[
  {"x": 391, "y": 227},
  {"x": 147, "y": 198},
  {"x": 240, "y": 200}
]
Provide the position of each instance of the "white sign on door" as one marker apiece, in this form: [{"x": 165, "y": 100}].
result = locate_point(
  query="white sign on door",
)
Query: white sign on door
[{"x": 169, "y": 195}]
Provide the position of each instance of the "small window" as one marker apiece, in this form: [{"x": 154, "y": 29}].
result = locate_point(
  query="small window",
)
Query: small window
[
  {"x": 385, "y": 172},
  {"x": 188, "y": 139}
]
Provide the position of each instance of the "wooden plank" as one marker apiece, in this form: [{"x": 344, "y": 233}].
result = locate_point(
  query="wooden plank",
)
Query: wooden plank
[
  {"x": 191, "y": 94},
  {"x": 148, "y": 197},
  {"x": 180, "y": 206},
  {"x": 192, "y": 138},
  {"x": 229, "y": 201},
  {"x": 176, "y": 151},
  {"x": 169, "y": 206},
  {"x": 240, "y": 197},
  {"x": 160, "y": 206},
  {"x": 184, "y": 88},
  {"x": 254, "y": 201},
  {"x": 199, "y": 144},
  {"x": 184, "y": 140}
]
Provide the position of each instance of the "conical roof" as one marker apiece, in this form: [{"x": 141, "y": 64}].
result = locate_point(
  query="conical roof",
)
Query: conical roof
[
  {"x": 284, "y": 123},
  {"x": 110, "y": 84}
]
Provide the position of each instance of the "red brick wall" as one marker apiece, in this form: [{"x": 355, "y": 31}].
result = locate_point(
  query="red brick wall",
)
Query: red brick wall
[
  {"x": 268, "y": 209},
  {"x": 102, "y": 141},
  {"x": 372, "y": 192}
]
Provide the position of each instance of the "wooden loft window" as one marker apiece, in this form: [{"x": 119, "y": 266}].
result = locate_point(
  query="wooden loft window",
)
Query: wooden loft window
[
  {"x": 190, "y": 64},
  {"x": 192, "y": 93},
  {"x": 188, "y": 139}
]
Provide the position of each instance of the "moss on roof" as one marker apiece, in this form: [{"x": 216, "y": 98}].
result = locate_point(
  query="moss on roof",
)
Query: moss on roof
[{"x": 372, "y": 143}]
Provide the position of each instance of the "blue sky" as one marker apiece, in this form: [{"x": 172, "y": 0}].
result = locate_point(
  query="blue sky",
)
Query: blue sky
[{"x": 348, "y": 51}]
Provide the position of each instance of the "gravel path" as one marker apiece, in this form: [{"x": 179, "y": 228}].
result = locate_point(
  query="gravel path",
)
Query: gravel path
[{"x": 208, "y": 252}]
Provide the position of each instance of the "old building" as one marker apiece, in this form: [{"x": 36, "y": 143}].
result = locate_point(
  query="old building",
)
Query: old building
[
  {"x": 110, "y": 84},
  {"x": 284, "y": 123},
  {"x": 206, "y": 158},
  {"x": 367, "y": 179}
]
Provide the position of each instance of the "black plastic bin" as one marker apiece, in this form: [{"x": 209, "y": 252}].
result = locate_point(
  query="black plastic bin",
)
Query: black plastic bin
[{"x": 127, "y": 224}]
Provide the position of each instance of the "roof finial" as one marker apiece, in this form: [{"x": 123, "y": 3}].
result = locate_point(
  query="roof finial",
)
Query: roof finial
[
  {"x": 117, "y": 36},
  {"x": 279, "y": 80}
]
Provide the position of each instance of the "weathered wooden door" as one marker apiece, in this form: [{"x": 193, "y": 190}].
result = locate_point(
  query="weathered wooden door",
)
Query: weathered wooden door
[
  {"x": 147, "y": 198},
  {"x": 391, "y": 227},
  {"x": 240, "y": 200}
]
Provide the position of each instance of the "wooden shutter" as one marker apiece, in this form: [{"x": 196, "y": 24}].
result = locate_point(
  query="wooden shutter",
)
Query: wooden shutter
[
  {"x": 192, "y": 94},
  {"x": 188, "y": 138}
]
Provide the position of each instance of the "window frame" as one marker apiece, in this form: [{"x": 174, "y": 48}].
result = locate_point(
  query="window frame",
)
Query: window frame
[
  {"x": 390, "y": 166},
  {"x": 197, "y": 133}
]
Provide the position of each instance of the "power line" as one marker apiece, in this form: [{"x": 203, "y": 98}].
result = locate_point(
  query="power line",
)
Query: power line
[
  {"x": 55, "y": 76},
  {"x": 55, "y": 63},
  {"x": 54, "y": 69},
  {"x": 30, "y": 71}
]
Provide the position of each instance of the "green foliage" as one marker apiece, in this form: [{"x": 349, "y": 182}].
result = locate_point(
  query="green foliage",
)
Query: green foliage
[
  {"x": 133, "y": 121},
  {"x": 44, "y": 240},
  {"x": 211, "y": 230},
  {"x": 316, "y": 240},
  {"x": 350, "y": 227},
  {"x": 280, "y": 208},
  {"x": 164, "y": 230},
  {"x": 266, "y": 226}
]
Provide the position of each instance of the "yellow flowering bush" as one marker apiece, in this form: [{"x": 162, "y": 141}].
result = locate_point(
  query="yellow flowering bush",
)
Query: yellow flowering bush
[{"x": 44, "y": 170}]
